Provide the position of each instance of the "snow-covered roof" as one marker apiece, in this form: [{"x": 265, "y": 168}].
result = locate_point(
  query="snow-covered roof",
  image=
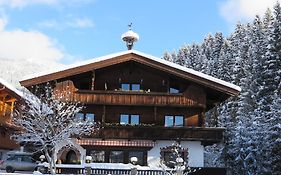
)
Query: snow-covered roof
[
  {"x": 10, "y": 87},
  {"x": 159, "y": 60}
]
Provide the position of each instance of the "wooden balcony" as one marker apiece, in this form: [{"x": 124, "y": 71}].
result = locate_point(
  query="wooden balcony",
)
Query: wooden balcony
[
  {"x": 206, "y": 135},
  {"x": 133, "y": 98}
]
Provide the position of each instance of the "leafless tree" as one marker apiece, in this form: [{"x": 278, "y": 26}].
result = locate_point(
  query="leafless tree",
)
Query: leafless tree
[{"x": 45, "y": 120}]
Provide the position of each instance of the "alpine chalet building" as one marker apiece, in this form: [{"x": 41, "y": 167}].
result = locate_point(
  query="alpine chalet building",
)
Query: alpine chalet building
[
  {"x": 143, "y": 104},
  {"x": 9, "y": 97}
]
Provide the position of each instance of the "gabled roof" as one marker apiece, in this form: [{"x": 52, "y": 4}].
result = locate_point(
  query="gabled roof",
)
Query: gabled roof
[
  {"x": 137, "y": 56},
  {"x": 5, "y": 86}
]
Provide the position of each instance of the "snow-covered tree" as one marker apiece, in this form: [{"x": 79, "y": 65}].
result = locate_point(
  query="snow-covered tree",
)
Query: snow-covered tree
[
  {"x": 45, "y": 121},
  {"x": 251, "y": 58},
  {"x": 275, "y": 131},
  {"x": 177, "y": 161},
  {"x": 167, "y": 56}
]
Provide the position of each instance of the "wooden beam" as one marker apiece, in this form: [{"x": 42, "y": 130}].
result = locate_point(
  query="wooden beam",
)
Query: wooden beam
[
  {"x": 202, "y": 118},
  {"x": 155, "y": 114},
  {"x": 103, "y": 114},
  {"x": 12, "y": 106},
  {"x": 93, "y": 79}
]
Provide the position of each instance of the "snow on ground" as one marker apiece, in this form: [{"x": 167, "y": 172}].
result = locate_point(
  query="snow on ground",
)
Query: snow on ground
[{"x": 3, "y": 172}]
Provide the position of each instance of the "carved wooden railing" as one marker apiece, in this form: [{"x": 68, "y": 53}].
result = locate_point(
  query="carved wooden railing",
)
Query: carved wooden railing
[{"x": 67, "y": 91}]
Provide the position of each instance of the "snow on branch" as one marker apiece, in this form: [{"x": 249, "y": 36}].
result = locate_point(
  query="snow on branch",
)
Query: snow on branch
[{"x": 45, "y": 120}]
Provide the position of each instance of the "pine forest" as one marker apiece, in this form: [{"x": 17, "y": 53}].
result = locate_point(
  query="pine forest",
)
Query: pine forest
[{"x": 250, "y": 57}]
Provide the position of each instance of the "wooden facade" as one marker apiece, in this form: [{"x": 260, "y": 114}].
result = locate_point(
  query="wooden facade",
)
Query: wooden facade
[
  {"x": 8, "y": 99},
  {"x": 135, "y": 97}
]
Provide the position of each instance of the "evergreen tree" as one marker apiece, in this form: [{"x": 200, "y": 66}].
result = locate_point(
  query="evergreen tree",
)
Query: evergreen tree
[
  {"x": 216, "y": 50},
  {"x": 275, "y": 131},
  {"x": 250, "y": 58},
  {"x": 207, "y": 52},
  {"x": 182, "y": 57},
  {"x": 225, "y": 62},
  {"x": 167, "y": 56}
]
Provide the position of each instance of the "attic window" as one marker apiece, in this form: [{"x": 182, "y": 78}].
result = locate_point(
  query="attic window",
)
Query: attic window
[
  {"x": 130, "y": 87},
  {"x": 125, "y": 87},
  {"x": 135, "y": 87},
  {"x": 174, "y": 90}
]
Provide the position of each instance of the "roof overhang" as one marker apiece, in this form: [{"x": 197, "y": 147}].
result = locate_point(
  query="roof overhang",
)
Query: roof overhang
[
  {"x": 7, "y": 88},
  {"x": 132, "y": 55}
]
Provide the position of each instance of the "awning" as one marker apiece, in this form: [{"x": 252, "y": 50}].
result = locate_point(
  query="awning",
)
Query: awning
[{"x": 123, "y": 143}]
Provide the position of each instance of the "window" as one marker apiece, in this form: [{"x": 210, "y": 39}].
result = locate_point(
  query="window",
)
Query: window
[
  {"x": 171, "y": 120},
  {"x": 79, "y": 117},
  {"x": 135, "y": 119},
  {"x": 125, "y": 87},
  {"x": 97, "y": 156},
  {"x": 139, "y": 155},
  {"x": 135, "y": 87},
  {"x": 116, "y": 157},
  {"x": 123, "y": 155},
  {"x": 178, "y": 120},
  {"x": 174, "y": 90},
  {"x": 126, "y": 119},
  {"x": 27, "y": 159},
  {"x": 169, "y": 154},
  {"x": 90, "y": 117},
  {"x": 130, "y": 87}
]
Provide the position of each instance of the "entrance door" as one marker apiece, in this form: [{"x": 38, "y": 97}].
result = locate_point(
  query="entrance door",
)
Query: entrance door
[{"x": 71, "y": 157}]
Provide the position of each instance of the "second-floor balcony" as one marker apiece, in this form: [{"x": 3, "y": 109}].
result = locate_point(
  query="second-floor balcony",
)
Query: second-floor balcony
[
  {"x": 139, "y": 132},
  {"x": 133, "y": 98}
]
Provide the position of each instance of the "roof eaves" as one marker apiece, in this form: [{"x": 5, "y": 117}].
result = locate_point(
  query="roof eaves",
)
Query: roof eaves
[
  {"x": 10, "y": 87},
  {"x": 156, "y": 59}
]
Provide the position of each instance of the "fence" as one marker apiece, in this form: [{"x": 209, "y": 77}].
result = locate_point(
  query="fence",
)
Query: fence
[{"x": 77, "y": 170}]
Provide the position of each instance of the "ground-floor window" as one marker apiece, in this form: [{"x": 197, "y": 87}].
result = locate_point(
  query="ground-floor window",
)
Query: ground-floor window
[
  {"x": 139, "y": 155},
  {"x": 118, "y": 156},
  {"x": 98, "y": 156},
  {"x": 169, "y": 154}
]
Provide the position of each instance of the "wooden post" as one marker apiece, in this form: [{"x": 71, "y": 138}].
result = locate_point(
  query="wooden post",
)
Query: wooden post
[
  {"x": 103, "y": 115},
  {"x": 1, "y": 104},
  {"x": 168, "y": 85},
  {"x": 12, "y": 106},
  {"x": 93, "y": 80},
  {"x": 155, "y": 114},
  {"x": 202, "y": 118},
  {"x": 4, "y": 106}
]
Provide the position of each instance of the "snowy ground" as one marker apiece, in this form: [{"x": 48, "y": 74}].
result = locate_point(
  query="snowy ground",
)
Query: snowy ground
[{"x": 3, "y": 172}]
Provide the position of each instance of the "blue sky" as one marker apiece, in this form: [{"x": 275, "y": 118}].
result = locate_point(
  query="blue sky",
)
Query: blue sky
[{"x": 66, "y": 31}]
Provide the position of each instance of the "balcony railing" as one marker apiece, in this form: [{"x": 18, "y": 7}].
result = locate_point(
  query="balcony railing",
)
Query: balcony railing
[
  {"x": 132, "y": 98},
  {"x": 205, "y": 135}
]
